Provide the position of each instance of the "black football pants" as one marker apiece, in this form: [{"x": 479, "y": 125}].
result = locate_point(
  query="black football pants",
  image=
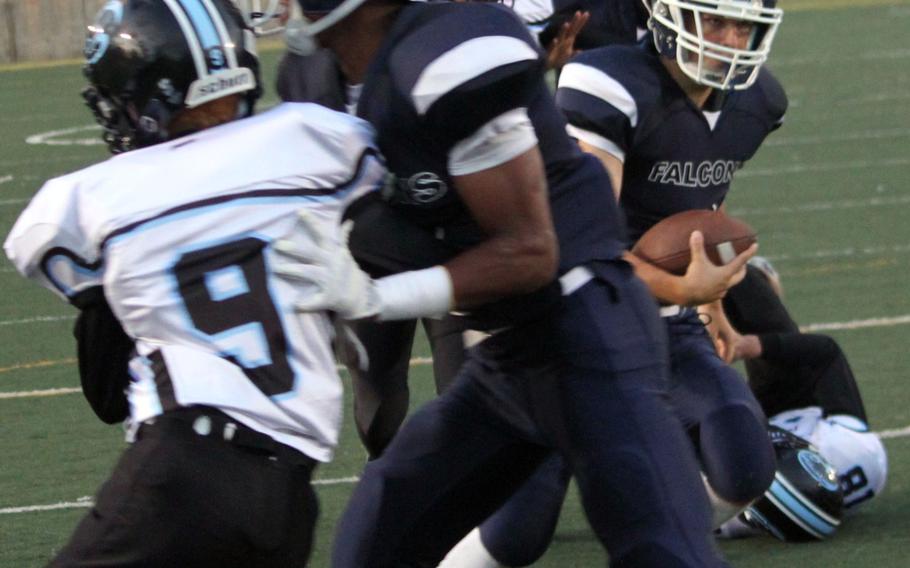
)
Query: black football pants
[{"x": 177, "y": 498}]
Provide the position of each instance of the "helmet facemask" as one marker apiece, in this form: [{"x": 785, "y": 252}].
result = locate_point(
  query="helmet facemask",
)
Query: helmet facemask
[
  {"x": 265, "y": 17},
  {"x": 679, "y": 29}
]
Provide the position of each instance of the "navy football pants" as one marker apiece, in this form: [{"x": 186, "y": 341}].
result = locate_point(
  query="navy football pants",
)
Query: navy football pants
[
  {"x": 724, "y": 421},
  {"x": 589, "y": 380}
]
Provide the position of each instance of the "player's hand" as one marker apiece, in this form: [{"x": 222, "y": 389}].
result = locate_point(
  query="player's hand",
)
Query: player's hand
[
  {"x": 704, "y": 281},
  {"x": 316, "y": 259},
  {"x": 562, "y": 47}
]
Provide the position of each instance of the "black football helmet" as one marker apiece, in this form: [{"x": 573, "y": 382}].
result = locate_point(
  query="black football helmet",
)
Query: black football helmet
[
  {"x": 805, "y": 501},
  {"x": 146, "y": 60}
]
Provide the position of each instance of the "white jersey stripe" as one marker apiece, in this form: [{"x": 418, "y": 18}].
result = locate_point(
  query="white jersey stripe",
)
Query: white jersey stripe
[
  {"x": 596, "y": 83},
  {"x": 190, "y": 35},
  {"x": 596, "y": 140},
  {"x": 465, "y": 62}
]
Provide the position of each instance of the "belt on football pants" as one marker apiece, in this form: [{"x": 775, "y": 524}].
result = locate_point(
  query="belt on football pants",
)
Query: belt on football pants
[
  {"x": 670, "y": 311},
  {"x": 574, "y": 279},
  {"x": 211, "y": 423}
]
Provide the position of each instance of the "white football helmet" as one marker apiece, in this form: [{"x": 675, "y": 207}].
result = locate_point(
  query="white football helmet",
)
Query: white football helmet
[
  {"x": 857, "y": 454},
  {"x": 678, "y": 33}
]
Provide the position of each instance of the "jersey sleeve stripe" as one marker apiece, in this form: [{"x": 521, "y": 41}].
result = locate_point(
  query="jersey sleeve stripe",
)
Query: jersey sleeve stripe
[
  {"x": 464, "y": 63},
  {"x": 598, "y": 84},
  {"x": 498, "y": 141},
  {"x": 369, "y": 165},
  {"x": 596, "y": 140}
]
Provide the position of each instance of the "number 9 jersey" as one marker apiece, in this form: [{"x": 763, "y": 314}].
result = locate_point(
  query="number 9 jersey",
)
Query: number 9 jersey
[{"x": 179, "y": 237}]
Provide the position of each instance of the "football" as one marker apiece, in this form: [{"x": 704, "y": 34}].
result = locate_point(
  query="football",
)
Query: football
[{"x": 666, "y": 244}]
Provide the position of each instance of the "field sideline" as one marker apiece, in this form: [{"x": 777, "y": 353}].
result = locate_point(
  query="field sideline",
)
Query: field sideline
[{"x": 828, "y": 194}]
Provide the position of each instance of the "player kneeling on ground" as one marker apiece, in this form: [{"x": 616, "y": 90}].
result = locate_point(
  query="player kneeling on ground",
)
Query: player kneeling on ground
[
  {"x": 806, "y": 385},
  {"x": 167, "y": 251}
]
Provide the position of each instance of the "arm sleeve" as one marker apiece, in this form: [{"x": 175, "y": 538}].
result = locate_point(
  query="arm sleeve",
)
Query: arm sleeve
[
  {"x": 48, "y": 244},
  {"x": 600, "y": 111},
  {"x": 464, "y": 67},
  {"x": 103, "y": 350}
]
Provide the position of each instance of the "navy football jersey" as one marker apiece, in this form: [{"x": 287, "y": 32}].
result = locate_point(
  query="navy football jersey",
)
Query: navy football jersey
[
  {"x": 443, "y": 72},
  {"x": 675, "y": 156}
]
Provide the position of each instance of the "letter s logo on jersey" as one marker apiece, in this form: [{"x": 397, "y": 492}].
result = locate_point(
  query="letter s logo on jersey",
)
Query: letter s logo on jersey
[{"x": 426, "y": 187}]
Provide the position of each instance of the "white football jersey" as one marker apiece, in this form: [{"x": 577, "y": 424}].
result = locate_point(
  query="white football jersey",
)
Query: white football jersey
[
  {"x": 179, "y": 235},
  {"x": 857, "y": 454}
]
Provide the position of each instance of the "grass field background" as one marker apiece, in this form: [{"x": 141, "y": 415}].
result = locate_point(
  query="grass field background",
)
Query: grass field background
[{"x": 828, "y": 193}]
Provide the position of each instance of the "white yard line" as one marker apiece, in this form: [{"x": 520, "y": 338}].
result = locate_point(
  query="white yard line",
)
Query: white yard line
[
  {"x": 848, "y": 136},
  {"x": 821, "y": 167},
  {"x": 817, "y": 206},
  {"x": 86, "y": 501},
  {"x": 36, "y": 319},
  {"x": 842, "y": 253},
  {"x": 857, "y": 324},
  {"x": 39, "y": 393}
]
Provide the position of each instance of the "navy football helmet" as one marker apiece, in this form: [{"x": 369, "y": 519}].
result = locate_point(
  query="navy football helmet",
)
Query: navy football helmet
[
  {"x": 146, "y": 60},
  {"x": 805, "y": 501},
  {"x": 678, "y": 33}
]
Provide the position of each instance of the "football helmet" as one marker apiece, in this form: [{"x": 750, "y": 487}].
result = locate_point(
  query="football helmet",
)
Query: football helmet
[
  {"x": 805, "y": 500},
  {"x": 857, "y": 454},
  {"x": 678, "y": 31},
  {"x": 146, "y": 60}
]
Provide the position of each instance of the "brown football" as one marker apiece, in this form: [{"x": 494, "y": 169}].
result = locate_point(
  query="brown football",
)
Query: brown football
[{"x": 666, "y": 244}]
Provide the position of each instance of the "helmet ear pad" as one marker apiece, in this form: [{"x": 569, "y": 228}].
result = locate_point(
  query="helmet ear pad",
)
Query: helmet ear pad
[
  {"x": 805, "y": 502},
  {"x": 153, "y": 122}
]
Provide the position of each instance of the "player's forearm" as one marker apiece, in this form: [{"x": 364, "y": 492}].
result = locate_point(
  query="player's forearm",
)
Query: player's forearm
[{"x": 503, "y": 266}]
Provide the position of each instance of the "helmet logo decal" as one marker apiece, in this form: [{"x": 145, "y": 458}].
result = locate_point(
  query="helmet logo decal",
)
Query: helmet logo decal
[
  {"x": 220, "y": 84},
  {"x": 106, "y": 21},
  {"x": 426, "y": 187},
  {"x": 819, "y": 469},
  {"x": 216, "y": 57}
]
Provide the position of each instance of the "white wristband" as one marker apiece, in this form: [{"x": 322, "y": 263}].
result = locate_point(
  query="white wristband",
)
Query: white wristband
[{"x": 415, "y": 294}]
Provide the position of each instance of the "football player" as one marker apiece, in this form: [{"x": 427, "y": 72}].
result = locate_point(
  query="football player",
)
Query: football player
[
  {"x": 672, "y": 120},
  {"x": 702, "y": 82},
  {"x": 167, "y": 250},
  {"x": 806, "y": 385},
  {"x": 529, "y": 243},
  {"x": 378, "y": 355}
]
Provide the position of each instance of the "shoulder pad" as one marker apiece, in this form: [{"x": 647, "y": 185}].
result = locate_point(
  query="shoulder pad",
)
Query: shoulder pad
[
  {"x": 448, "y": 47},
  {"x": 774, "y": 95}
]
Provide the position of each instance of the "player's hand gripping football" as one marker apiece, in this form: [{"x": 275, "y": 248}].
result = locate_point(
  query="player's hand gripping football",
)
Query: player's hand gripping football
[
  {"x": 315, "y": 257},
  {"x": 707, "y": 282}
]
